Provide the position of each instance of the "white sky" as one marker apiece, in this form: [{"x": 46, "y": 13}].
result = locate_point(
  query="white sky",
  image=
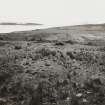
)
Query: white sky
[{"x": 54, "y": 12}]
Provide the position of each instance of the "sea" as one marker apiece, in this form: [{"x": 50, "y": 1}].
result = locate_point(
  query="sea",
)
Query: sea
[{"x": 14, "y": 28}]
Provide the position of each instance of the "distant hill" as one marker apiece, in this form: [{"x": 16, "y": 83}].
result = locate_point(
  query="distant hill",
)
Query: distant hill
[
  {"x": 89, "y": 34},
  {"x": 9, "y": 23}
]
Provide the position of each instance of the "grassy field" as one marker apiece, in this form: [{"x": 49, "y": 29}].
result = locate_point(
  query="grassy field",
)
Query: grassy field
[{"x": 55, "y": 66}]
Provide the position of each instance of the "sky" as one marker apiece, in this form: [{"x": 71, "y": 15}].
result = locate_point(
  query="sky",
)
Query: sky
[{"x": 53, "y": 12}]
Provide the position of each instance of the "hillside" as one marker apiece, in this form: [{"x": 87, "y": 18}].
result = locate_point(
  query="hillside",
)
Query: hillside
[{"x": 54, "y": 66}]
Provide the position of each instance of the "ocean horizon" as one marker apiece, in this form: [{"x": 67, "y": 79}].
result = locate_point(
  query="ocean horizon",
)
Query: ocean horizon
[{"x": 14, "y": 28}]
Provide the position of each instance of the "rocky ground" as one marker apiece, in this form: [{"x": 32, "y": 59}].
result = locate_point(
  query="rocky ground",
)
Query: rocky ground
[{"x": 55, "y": 66}]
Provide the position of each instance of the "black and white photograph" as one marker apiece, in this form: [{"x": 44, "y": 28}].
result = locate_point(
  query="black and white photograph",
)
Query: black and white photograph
[{"x": 52, "y": 52}]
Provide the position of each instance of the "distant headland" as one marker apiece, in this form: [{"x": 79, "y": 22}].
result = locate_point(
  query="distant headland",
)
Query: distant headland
[{"x": 13, "y": 23}]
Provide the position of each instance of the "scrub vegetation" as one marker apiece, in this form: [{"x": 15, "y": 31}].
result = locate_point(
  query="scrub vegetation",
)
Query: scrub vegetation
[{"x": 55, "y": 66}]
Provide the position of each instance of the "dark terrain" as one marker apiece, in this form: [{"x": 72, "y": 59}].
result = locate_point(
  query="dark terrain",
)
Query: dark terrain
[
  {"x": 55, "y": 66},
  {"x": 26, "y": 24}
]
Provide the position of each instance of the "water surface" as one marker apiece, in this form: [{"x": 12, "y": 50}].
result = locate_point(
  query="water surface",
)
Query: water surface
[{"x": 12, "y": 28}]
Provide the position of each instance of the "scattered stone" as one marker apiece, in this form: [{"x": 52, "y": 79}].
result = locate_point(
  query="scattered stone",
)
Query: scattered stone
[
  {"x": 84, "y": 100},
  {"x": 2, "y": 101},
  {"x": 79, "y": 94}
]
